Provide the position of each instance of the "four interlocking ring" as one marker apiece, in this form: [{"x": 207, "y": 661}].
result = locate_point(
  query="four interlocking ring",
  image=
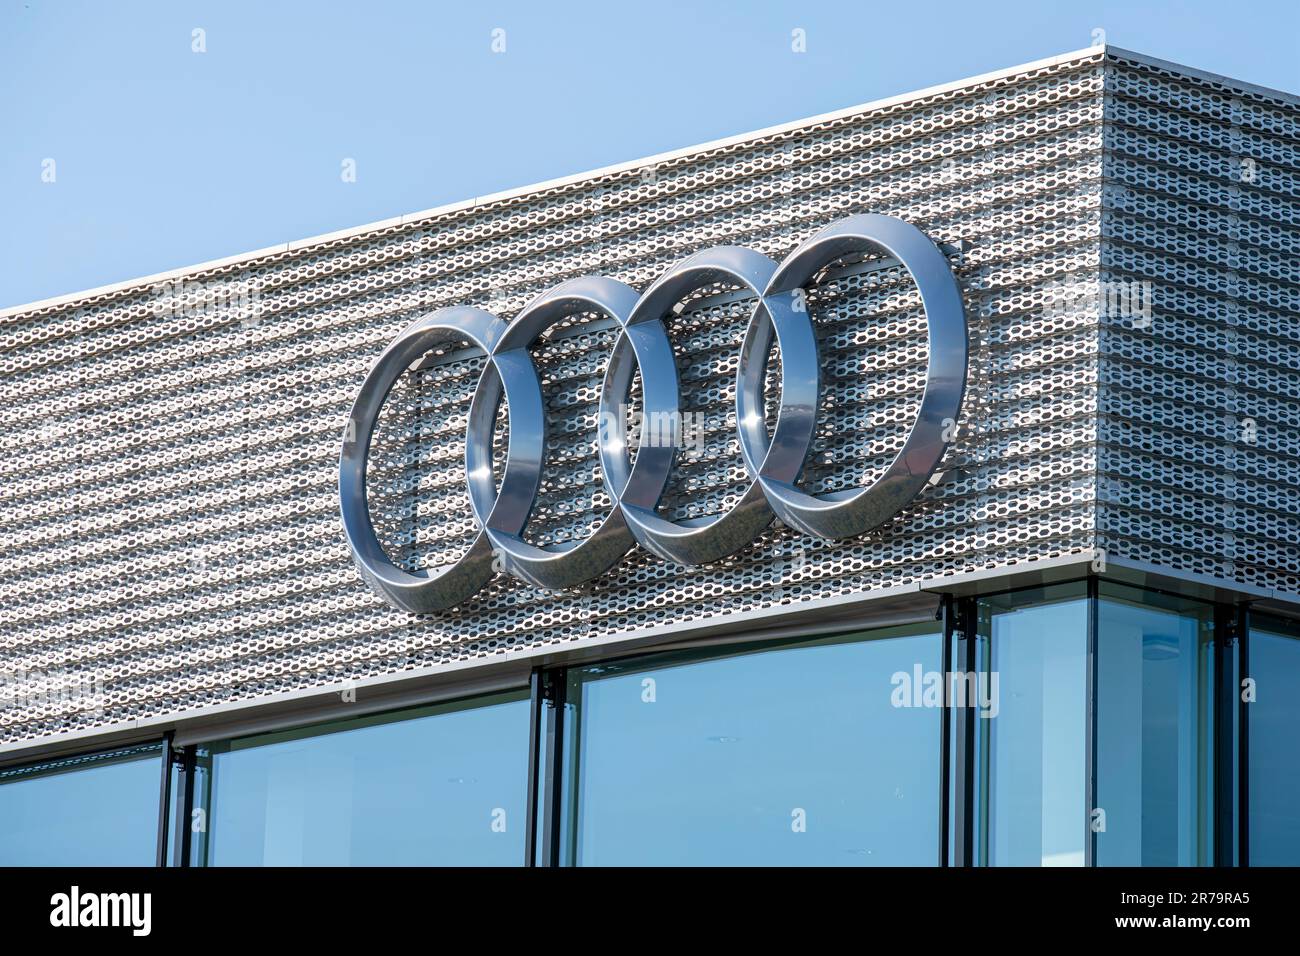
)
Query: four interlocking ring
[{"x": 773, "y": 462}]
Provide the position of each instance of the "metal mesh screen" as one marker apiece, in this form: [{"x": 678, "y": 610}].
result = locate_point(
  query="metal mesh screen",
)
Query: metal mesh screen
[
  {"x": 1200, "y": 396},
  {"x": 170, "y": 512}
]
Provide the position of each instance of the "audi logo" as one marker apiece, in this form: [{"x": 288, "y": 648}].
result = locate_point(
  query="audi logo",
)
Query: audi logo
[{"x": 773, "y": 463}]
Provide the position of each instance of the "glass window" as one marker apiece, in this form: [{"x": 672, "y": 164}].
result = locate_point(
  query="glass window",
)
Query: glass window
[
  {"x": 1274, "y": 754},
  {"x": 1155, "y": 731},
  {"x": 824, "y": 752},
  {"x": 1035, "y": 735},
  {"x": 440, "y": 785},
  {"x": 96, "y": 810}
]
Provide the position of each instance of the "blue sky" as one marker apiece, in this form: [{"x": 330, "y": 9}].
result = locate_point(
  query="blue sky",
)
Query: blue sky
[{"x": 165, "y": 157}]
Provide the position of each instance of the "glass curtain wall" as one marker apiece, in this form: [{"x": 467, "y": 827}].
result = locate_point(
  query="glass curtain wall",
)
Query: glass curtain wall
[
  {"x": 1084, "y": 731},
  {"x": 822, "y": 752}
]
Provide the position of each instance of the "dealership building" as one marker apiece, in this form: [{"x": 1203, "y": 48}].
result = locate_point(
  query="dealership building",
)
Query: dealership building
[{"x": 915, "y": 484}]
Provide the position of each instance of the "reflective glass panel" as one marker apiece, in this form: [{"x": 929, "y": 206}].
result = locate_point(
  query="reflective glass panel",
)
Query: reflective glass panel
[
  {"x": 1035, "y": 760},
  {"x": 441, "y": 785},
  {"x": 96, "y": 810},
  {"x": 813, "y": 753},
  {"x": 1273, "y": 730},
  {"x": 1154, "y": 734}
]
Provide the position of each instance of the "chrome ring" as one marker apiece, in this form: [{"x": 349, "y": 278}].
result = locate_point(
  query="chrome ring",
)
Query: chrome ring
[
  {"x": 840, "y": 515},
  {"x": 447, "y": 585}
]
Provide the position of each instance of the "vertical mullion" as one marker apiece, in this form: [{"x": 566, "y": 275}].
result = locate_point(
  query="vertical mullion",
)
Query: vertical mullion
[
  {"x": 188, "y": 773},
  {"x": 164, "y": 800},
  {"x": 982, "y": 655},
  {"x": 1225, "y": 716},
  {"x": 1090, "y": 742},
  {"x": 554, "y": 686},
  {"x": 534, "y": 765},
  {"x": 945, "y": 749},
  {"x": 964, "y": 810},
  {"x": 1242, "y": 710}
]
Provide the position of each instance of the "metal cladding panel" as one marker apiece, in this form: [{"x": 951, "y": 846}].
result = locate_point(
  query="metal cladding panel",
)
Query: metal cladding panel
[
  {"x": 169, "y": 503},
  {"x": 1200, "y": 388}
]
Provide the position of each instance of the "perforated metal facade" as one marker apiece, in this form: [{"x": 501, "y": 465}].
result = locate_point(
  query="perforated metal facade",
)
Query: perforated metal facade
[
  {"x": 1200, "y": 400},
  {"x": 170, "y": 510}
]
